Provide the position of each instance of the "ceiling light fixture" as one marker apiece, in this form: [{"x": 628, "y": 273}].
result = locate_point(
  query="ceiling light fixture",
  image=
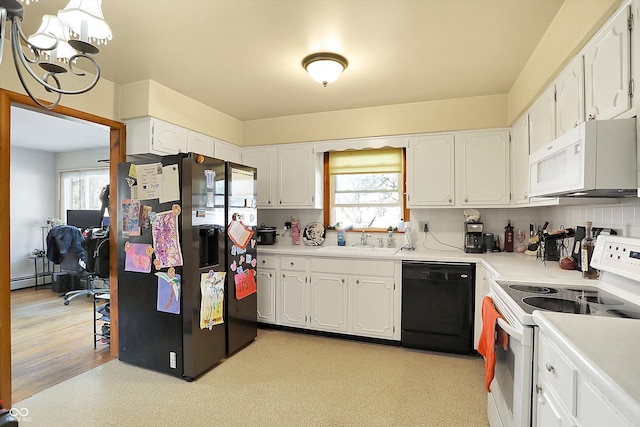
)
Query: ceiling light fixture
[
  {"x": 81, "y": 18},
  {"x": 325, "y": 67}
]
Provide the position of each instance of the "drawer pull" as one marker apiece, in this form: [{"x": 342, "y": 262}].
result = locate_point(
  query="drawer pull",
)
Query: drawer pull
[{"x": 550, "y": 367}]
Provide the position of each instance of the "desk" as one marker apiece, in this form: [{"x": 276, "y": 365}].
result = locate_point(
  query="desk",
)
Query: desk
[{"x": 46, "y": 270}]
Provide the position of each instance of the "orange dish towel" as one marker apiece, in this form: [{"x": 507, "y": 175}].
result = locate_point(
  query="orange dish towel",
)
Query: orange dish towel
[{"x": 489, "y": 338}]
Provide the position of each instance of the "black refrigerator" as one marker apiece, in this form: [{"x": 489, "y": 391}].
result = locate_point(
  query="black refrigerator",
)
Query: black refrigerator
[{"x": 186, "y": 262}]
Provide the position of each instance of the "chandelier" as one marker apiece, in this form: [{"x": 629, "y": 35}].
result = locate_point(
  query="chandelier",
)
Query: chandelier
[{"x": 65, "y": 37}]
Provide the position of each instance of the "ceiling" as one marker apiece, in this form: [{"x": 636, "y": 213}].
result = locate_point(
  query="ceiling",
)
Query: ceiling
[
  {"x": 243, "y": 57},
  {"x": 54, "y": 133}
]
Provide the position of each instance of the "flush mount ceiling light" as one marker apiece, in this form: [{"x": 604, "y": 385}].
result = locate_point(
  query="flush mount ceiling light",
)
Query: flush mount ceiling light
[
  {"x": 80, "y": 18},
  {"x": 325, "y": 67}
]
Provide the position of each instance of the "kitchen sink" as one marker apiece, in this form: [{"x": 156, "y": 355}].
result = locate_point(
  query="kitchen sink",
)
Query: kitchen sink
[{"x": 368, "y": 250}]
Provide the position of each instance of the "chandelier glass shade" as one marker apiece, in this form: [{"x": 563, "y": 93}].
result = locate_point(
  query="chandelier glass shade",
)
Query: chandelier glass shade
[
  {"x": 50, "y": 32},
  {"x": 325, "y": 67},
  {"x": 80, "y": 18}
]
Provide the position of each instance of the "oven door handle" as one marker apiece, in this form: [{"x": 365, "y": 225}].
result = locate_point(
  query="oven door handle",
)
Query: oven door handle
[{"x": 514, "y": 333}]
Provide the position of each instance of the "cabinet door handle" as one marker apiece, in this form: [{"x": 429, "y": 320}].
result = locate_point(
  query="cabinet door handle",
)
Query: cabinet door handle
[
  {"x": 450, "y": 200},
  {"x": 591, "y": 117},
  {"x": 466, "y": 199},
  {"x": 292, "y": 263},
  {"x": 549, "y": 367}
]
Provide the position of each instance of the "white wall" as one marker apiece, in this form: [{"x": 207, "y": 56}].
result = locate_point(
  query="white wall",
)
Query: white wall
[
  {"x": 32, "y": 202},
  {"x": 446, "y": 224}
]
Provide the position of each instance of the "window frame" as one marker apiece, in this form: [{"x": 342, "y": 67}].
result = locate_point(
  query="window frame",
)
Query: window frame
[
  {"x": 327, "y": 195},
  {"x": 61, "y": 208}
]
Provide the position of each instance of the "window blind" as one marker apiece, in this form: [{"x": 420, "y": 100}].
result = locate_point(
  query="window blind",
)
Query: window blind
[{"x": 385, "y": 160}]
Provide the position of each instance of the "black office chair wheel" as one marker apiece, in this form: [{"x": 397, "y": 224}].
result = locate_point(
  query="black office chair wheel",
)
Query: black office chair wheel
[{"x": 66, "y": 302}]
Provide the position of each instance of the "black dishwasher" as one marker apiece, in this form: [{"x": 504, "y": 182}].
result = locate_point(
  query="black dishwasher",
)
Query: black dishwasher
[{"x": 438, "y": 306}]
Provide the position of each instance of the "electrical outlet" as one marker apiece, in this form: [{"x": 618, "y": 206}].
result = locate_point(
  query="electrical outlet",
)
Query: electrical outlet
[{"x": 424, "y": 226}]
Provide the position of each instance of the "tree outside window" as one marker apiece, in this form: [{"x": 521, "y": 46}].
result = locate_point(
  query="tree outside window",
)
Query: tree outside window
[{"x": 80, "y": 189}]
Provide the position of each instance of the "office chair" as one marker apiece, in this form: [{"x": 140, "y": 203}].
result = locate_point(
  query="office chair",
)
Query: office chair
[{"x": 66, "y": 247}]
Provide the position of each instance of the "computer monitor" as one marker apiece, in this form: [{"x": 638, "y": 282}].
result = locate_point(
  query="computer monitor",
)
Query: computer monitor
[{"x": 83, "y": 218}]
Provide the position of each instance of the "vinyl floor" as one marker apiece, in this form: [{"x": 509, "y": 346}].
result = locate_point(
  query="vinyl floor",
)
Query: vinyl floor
[{"x": 281, "y": 379}]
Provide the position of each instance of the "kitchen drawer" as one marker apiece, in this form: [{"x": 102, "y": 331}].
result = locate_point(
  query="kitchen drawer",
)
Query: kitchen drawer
[
  {"x": 293, "y": 263},
  {"x": 353, "y": 267},
  {"x": 267, "y": 261},
  {"x": 559, "y": 373}
]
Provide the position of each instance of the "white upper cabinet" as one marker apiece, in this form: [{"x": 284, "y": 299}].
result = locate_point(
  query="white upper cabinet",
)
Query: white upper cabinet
[
  {"x": 607, "y": 60},
  {"x": 227, "y": 152},
  {"x": 431, "y": 171},
  {"x": 264, "y": 159},
  {"x": 289, "y": 176},
  {"x": 542, "y": 120},
  {"x": 299, "y": 177},
  {"x": 570, "y": 97},
  {"x": 520, "y": 161},
  {"x": 482, "y": 168},
  {"x": 201, "y": 144},
  {"x": 463, "y": 169},
  {"x": 149, "y": 135}
]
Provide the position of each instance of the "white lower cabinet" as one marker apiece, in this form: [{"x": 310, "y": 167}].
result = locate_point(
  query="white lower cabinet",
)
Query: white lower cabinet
[
  {"x": 550, "y": 412},
  {"x": 266, "y": 285},
  {"x": 482, "y": 289},
  {"x": 291, "y": 308},
  {"x": 328, "y": 310},
  {"x": 372, "y": 306},
  {"x": 352, "y": 297},
  {"x": 566, "y": 396}
]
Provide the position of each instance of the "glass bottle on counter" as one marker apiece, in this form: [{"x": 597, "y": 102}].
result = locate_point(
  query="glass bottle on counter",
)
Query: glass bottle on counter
[{"x": 588, "y": 244}]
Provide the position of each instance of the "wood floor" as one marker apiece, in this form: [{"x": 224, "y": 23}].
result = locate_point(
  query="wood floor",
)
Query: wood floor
[{"x": 50, "y": 342}]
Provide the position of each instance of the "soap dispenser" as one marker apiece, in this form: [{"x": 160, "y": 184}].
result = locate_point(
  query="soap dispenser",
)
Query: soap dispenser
[{"x": 341, "y": 241}]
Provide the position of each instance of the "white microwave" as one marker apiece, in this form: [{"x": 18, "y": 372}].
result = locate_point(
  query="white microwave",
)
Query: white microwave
[{"x": 595, "y": 159}]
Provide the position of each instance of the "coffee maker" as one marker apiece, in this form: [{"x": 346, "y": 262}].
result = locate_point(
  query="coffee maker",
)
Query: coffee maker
[{"x": 473, "y": 237}]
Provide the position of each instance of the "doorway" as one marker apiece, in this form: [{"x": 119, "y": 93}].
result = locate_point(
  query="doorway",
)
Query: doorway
[{"x": 117, "y": 153}]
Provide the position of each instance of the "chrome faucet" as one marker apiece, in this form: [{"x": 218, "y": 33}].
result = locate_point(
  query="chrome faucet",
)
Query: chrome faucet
[{"x": 363, "y": 238}]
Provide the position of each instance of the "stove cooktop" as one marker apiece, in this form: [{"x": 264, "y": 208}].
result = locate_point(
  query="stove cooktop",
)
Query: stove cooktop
[{"x": 586, "y": 300}]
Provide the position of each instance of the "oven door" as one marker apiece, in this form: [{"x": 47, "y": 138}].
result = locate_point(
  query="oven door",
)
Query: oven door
[{"x": 509, "y": 402}]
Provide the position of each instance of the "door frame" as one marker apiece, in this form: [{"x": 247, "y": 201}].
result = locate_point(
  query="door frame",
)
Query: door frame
[{"x": 117, "y": 154}]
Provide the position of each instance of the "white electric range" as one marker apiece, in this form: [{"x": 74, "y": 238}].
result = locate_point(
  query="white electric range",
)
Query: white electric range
[{"x": 615, "y": 294}]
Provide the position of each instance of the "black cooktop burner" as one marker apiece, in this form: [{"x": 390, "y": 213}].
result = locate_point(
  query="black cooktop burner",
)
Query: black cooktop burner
[
  {"x": 534, "y": 289},
  {"x": 578, "y": 299},
  {"x": 600, "y": 299},
  {"x": 582, "y": 290},
  {"x": 560, "y": 305}
]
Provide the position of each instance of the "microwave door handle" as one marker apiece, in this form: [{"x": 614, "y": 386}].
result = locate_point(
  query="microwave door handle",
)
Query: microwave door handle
[{"x": 514, "y": 333}]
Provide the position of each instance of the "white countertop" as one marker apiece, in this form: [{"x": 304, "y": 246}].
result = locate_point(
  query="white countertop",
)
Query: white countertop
[
  {"x": 502, "y": 265},
  {"x": 606, "y": 351}
]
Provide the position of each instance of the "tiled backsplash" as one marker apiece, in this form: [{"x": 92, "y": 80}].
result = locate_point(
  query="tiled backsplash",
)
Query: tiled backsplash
[{"x": 447, "y": 225}]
